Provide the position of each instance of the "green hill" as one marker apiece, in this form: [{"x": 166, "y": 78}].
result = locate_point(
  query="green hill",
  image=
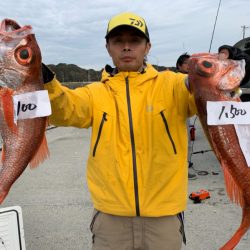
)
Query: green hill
[{"x": 71, "y": 73}]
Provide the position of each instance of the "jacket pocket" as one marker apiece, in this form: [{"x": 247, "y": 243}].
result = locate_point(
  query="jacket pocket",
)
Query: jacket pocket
[
  {"x": 168, "y": 132},
  {"x": 104, "y": 119}
]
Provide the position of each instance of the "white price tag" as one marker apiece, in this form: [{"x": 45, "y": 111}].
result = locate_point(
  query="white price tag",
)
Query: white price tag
[
  {"x": 243, "y": 133},
  {"x": 31, "y": 105},
  {"x": 227, "y": 112}
]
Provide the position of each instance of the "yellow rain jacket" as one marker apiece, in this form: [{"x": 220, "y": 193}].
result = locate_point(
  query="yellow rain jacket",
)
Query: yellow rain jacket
[{"x": 138, "y": 157}]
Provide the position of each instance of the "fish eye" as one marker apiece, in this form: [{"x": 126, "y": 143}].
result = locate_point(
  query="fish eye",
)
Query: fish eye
[
  {"x": 23, "y": 55},
  {"x": 207, "y": 64},
  {"x": 206, "y": 68}
]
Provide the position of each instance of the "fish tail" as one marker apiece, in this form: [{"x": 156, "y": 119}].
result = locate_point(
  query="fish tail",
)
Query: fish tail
[
  {"x": 41, "y": 154},
  {"x": 245, "y": 225},
  {"x": 8, "y": 108}
]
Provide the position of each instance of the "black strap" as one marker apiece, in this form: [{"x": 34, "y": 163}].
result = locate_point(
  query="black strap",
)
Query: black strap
[
  {"x": 180, "y": 216},
  {"x": 92, "y": 225}
]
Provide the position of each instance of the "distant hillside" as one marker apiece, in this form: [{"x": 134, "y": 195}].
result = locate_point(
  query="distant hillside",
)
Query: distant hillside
[{"x": 73, "y": 73}]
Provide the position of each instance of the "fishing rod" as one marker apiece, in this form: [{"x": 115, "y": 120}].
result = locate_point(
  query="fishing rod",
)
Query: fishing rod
[
  {"x": 190, "y": 163},
  {"x": 214, "y": 26}
]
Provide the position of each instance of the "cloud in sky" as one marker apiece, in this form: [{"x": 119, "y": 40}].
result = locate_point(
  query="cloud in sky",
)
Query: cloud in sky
[{"x": 73, "y": 31}]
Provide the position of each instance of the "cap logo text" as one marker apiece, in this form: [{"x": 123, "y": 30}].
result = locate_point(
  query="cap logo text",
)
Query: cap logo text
[{"x": 136, "y": 22}]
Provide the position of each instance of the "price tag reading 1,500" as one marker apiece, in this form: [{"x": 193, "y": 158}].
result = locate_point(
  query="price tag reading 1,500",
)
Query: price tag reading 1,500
[
  {"x": 232, "y": 113},
  {"x": 227, "y": 112}
]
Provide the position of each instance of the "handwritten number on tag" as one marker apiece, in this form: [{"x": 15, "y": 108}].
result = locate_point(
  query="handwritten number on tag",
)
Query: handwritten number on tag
[
  {"x": 232, "y": 113},
  {"x": 25, "y": 107}
]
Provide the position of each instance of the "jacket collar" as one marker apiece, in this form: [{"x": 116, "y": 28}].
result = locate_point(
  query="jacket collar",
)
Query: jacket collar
[
  {"x": 113, "y": 71},
  {"x": 111, "y": 76}
]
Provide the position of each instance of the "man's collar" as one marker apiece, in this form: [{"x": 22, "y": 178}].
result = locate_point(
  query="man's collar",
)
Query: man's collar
[{"x": 113, "y": 71}]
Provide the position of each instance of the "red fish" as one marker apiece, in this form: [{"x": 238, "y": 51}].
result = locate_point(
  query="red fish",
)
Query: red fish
[
  {"x": 24, "y": 142},
  {"x": 212, "y": 79}
]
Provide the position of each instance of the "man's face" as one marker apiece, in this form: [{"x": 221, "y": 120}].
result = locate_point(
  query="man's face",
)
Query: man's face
[
  {"x": 128, "y": 48},
  {"x": 184, "y": 67}
]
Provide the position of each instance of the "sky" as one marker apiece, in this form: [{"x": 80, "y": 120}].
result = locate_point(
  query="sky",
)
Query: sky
[{"x": 73, "y": 31}]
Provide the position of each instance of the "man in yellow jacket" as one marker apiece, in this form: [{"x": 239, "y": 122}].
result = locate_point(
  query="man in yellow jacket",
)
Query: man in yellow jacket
[{"x": 137, "y": 167}]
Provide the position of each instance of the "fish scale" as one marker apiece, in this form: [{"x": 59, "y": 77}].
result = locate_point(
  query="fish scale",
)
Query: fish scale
[{"x": 212, "y": 79}]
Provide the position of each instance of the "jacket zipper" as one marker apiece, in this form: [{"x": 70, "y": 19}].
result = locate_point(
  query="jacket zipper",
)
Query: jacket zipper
[
  {"x": 137, "y": 206},
  {"x": 99, "y": 132},
  {"x": 168, "y": 132}
]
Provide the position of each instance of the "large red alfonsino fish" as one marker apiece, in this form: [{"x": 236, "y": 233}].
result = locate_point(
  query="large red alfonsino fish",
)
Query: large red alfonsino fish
[
  {"x": 212, "y": 79},
  {"x": 20, "y": 72}
]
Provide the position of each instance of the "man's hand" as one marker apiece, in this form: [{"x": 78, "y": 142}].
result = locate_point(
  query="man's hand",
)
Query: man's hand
[
  {"x": 48, "y": 75},
  {"x": 231, "y": 52},
  {"x": 224, "y": 54}
]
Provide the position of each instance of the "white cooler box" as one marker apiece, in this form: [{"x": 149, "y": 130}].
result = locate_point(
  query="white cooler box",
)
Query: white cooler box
[{"x": 11, "y": 229}]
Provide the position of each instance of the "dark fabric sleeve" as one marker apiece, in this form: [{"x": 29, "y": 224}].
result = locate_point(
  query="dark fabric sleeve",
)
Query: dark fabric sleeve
[
  {"x": 238, "y": 54},
  {"x": 48, "y": 75}
]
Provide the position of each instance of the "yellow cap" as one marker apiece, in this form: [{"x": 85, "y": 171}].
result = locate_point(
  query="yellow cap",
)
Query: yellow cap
[{"x": 129, "y": 19}]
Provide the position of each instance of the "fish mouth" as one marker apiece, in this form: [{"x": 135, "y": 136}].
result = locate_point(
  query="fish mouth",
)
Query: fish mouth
[
  {"x": 11, "y": 28},
  {"x": 9, "y": 25}
]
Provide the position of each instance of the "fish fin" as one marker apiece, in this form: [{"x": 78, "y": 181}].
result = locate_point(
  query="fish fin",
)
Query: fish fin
[
  {"x": 233, "y": 190},
  {"x": 3, "y": 194},
  {"x": 41, "y": 154},
  {"x": 8, "y": 108}
]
